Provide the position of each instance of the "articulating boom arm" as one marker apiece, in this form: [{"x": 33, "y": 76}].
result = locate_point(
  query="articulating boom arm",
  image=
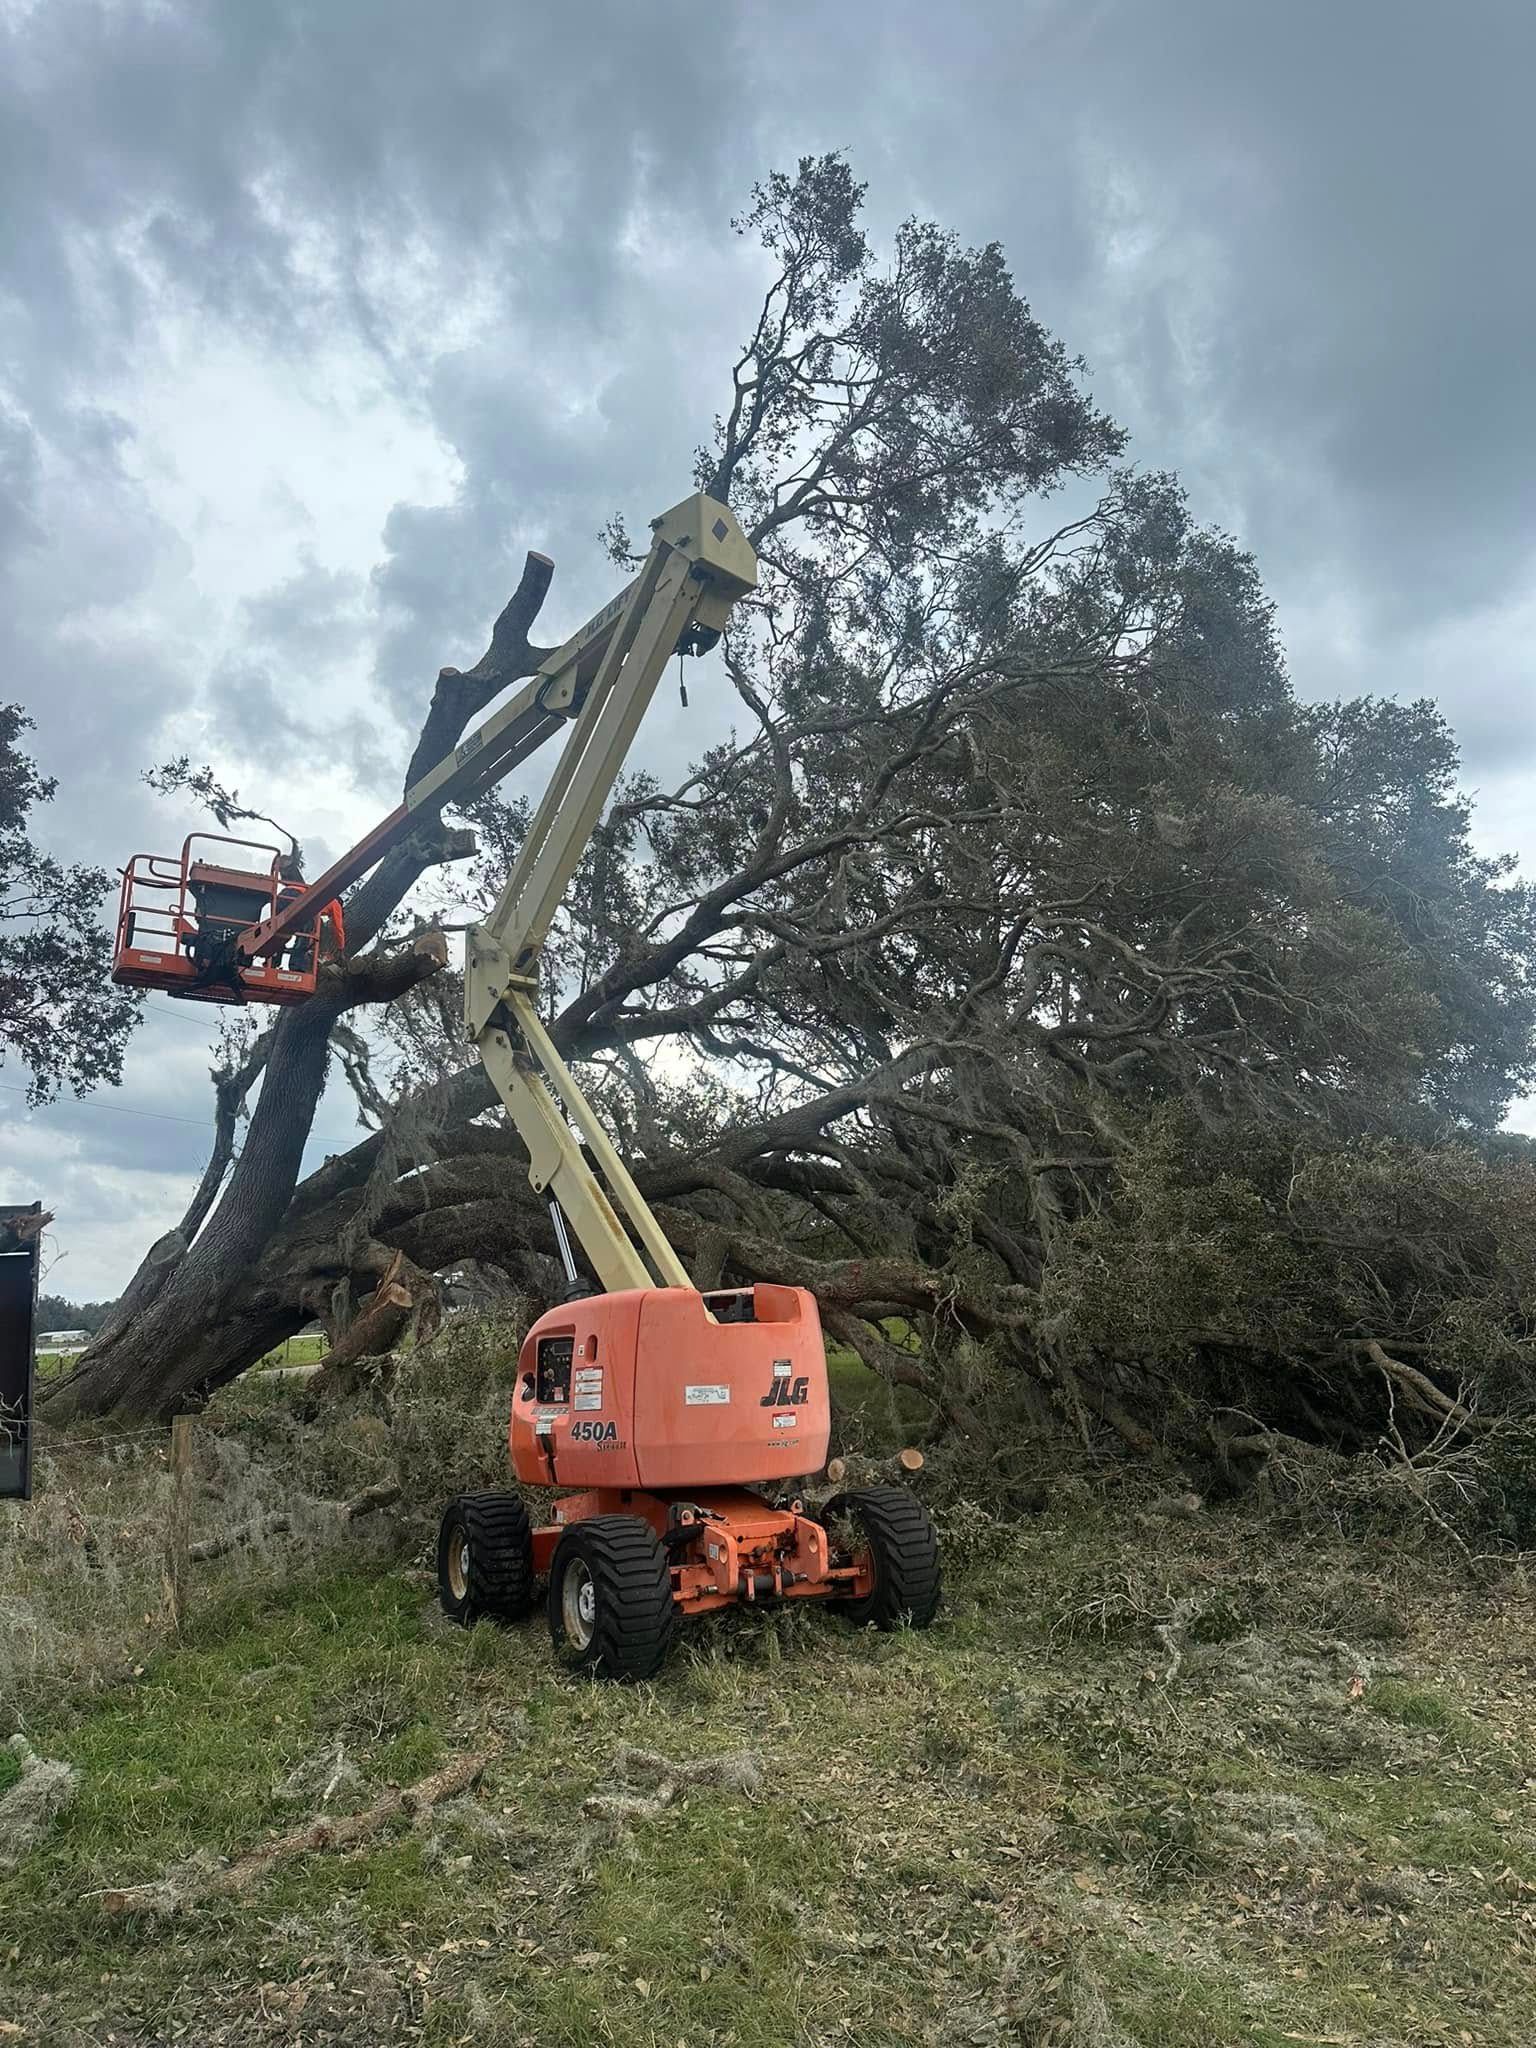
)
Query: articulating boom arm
[
  {"x": 599, "y": 682},
  {"x": 699, "y": 564},
  {"x": 551, "y": 697}
]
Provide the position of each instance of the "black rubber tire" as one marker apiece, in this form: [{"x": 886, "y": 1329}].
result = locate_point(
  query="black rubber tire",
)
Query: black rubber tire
[
  {"x": 905, "y": 1551},
  {"x": 633, "y": 1612},
  {"x": 485, "y": 1559}
]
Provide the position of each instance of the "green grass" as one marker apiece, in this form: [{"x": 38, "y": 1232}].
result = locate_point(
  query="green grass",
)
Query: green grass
[
  {"x": 1413, "y": 1706},
  {"x": 867, "y": 1406},
  {"x": 998, "y": 1823},
  {"x": 1011, "y": 1829},
  {"x": 52, "y": 1365},
  {"x": 305, "y": 1350},
  {"x": 867, "y": 1411}
]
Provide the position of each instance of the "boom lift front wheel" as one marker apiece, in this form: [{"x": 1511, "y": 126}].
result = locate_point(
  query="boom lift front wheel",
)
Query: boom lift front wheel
[
  {"x": 611, "y": 1610},
  {"x": 892, "y": 1528},
  {"x": 485, "y": 1558}
]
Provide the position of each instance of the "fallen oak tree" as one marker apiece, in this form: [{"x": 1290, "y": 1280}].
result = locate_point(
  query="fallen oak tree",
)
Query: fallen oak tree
[
  {"x": 932, "y": 376},
  {"x": 1029, "y": 882}
]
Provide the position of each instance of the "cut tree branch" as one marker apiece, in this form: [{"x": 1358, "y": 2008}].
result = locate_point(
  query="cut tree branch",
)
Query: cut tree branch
[{"x": 175, "y": 1892}]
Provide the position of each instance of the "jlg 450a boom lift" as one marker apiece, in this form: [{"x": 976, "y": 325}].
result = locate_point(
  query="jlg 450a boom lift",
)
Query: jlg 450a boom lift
[{"x": 681, "y": 1417}]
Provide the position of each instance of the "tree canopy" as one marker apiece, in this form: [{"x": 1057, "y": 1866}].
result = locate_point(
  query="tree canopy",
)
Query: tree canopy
[
  {"x": 59, "y": 1016},
  {"x": 58, "y": 1312}
]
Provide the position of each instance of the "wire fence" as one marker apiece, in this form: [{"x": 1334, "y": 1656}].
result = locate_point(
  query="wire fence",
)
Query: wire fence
[
  {"x": 96, "y": 1440},
  {"x": 102, "y": 1439}
]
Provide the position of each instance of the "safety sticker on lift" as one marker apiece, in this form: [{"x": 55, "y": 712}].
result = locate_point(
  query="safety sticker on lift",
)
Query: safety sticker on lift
[{"x": 588, "y": 1387}]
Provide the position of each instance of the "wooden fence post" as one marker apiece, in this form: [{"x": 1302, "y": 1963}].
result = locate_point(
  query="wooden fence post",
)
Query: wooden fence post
[{"x": 182, "y": 1427}]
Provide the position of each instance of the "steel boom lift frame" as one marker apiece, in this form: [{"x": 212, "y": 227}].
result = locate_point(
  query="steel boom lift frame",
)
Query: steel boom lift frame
[
  {"x": 669, "y": 1408},
  {"x": 699, "y": 564},
  {"x": 702, "y": 572},
  {"x": 599, "y": 682}
]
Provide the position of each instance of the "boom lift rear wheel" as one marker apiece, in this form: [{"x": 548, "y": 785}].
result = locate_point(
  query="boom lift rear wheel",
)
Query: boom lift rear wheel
[
  {"x": 485, "y": 1558},
  {"x": 903, "y": 1550},
  {"x": 611, "y": 1610}
]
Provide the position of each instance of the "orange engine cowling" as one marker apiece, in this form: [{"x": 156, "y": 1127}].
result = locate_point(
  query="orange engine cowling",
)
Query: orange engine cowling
[{"x": 643, "y": 1389}]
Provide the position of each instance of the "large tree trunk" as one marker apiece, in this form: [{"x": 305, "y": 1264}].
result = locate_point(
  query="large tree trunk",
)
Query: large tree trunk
[
  {"x": 182, "y": 1325},
  {"x": 150, "y": 1362}
]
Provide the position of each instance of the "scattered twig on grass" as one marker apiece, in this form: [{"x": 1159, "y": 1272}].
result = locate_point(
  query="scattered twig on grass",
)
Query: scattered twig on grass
[
  {"x": 331, "y": 1769},
  {"x": 39, "y": 1795},
  {"x": 739, "y": 1771},
  {"x": 177, "y": 1890},
  {"x": 1173, "y": 1633}
]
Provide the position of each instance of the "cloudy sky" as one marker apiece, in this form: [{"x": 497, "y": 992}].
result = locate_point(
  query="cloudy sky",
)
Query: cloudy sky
[{"x": 315, "y": 313}]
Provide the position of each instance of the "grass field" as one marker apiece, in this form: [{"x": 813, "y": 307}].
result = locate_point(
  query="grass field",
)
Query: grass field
[
  {"x": 310, "y": 1348},
  {"x": 307, "y": 1349},
  {"x": 1153, "y": 1779}
]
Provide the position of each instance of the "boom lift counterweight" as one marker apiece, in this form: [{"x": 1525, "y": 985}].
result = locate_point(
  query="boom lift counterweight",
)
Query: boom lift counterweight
[{"x": 670, "y": 1411}]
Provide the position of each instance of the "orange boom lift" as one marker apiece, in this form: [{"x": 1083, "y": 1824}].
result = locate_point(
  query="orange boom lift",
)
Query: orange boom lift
[{"x": 676, "y": 1421}]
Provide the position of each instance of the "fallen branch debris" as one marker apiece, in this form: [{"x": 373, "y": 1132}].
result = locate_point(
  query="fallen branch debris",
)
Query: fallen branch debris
[
  {"x": 34, "y": 1802},
  {"x": 280, "y": 1521},
  {"x": 194, "y": 1883},
  {"x": 737, "y": 1771},
  {"x": 1421, "y": 1389}
]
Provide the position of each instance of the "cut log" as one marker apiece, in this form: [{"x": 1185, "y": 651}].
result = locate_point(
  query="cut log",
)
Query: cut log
[
  {"x": 854, "y": 1470},
  {"x": 383, "y": 1495},
  {"x": 380, "y": 1320}
]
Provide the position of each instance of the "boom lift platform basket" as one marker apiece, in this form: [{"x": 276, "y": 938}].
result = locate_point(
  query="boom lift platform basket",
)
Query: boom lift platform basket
[{"x": 180, "y": 920}]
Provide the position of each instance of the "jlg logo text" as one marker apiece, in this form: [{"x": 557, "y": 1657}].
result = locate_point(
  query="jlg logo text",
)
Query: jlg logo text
[{"x": 786, "y": 1393}]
